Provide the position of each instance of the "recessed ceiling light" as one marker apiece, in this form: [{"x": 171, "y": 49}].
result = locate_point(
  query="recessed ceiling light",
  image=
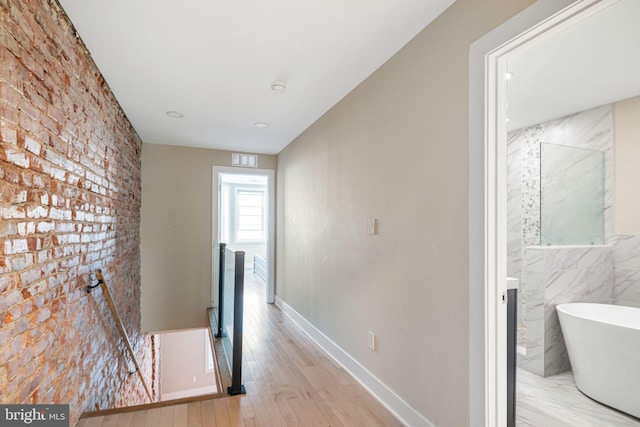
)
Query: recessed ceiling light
[
  {"x": 261, "y": 124},
  {"x": 508, "y": 75},
  {"x": 174, "y": 114},
  {"x": 278, "y": 87}
]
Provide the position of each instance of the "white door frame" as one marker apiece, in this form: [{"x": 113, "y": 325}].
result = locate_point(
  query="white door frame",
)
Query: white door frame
[
  {"x": 488, "y": 195},
  {"x": 271, "y": 220}
]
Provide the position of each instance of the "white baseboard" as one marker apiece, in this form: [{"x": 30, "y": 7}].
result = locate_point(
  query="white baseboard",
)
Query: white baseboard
[
  {"x": 394, "y": 403},
  {"x": 199, "y": 391}
]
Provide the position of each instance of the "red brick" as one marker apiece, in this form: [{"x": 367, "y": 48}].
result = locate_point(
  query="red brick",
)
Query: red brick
[
  {"x": 9, "y": 135},
  {"x": 14, "y": 246},
  {"x": 8, "y": 282},
  {"x": 8, "y": 317},
  {"x": 27, "y": 107},
  {"x": 12, "y": 154},
  {"x": 10, "y": 96},
  {"x": 21, "y": 326},
  {"x": 68, "y": 161},
  {"x": 13, "y": 367},
  {"x": 34, "y": 243}
]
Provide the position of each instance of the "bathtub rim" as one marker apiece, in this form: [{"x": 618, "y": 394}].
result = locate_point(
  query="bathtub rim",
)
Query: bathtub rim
[{"x": 600, "y": 316}]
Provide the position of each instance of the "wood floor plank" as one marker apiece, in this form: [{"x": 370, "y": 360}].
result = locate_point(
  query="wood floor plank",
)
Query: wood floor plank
[
  {"x": 246, "y": 408},
  {"x": 233, "y": 409},
  {"x": 194, "y": 414},
  {"x": 208, "y": 413},
  {"x": 325, "y": 407},
  {"x": 138, "y": 419},
  {"x": 264, "y": 405},
  {"x": 153, "y": 417},
  {"x": 338, "y": 400},
  {"x": 221, "y": 414},
  {"x": 166, "y": 416},
  {"x": 287, "y": 413},
  {"x": 125, "y": 420},
  {"x": 112, "y": 420},
  {"x": 181, "y": 415},
  {"x": 90, "y": 422}
]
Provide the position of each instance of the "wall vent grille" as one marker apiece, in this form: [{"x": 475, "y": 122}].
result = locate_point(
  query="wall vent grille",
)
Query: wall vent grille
[{"x": 244, "y": 160}]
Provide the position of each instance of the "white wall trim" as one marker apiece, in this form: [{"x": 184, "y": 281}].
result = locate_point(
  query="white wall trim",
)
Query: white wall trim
[
  {"x": 394, "y": 403},
  {"x": 191, "y": 392},
  {"x": 271, "y": 223}
]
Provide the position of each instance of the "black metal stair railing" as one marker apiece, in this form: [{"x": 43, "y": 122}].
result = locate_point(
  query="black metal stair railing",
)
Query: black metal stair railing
[{"x": 228, "y": 317}]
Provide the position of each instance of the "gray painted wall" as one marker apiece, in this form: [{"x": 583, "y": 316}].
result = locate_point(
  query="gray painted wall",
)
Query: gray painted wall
[
  {"x": 395, "y": 149},
  {"x": 176, "y": 233}
]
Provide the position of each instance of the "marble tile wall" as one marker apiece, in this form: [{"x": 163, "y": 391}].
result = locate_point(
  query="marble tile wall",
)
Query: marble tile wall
[
  {"x": 593, "y": 129},
  {"x": 531, "y": 185},
  {"x": 590, "y": 129},
  {"x": 556, "y": 275},
  {"x": 523, "y": 215},
  {"x": 626, "y": 290}
]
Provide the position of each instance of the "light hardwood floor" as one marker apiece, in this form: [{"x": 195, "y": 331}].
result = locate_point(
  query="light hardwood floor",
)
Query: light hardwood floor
[{"x": 289, "y": 382}]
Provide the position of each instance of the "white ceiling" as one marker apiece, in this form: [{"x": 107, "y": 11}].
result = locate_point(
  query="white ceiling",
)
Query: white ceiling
[
  {"x": 214, "y": 61},
  {"x": 592, "y": 63}
]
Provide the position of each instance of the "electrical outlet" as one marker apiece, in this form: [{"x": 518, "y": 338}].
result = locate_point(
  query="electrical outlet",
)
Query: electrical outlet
[
  {"x": 372, "y": 341},
  {"x": 194, "y": 379}
]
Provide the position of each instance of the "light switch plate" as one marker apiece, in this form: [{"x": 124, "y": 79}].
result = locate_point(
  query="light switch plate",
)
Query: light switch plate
[{"x": 372, "y": 226}]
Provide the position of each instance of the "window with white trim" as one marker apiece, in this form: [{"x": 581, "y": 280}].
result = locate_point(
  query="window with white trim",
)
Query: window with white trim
[{"x": 250, "y": 216}]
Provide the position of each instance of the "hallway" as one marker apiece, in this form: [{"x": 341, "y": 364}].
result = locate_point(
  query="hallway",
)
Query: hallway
[{"x": 289, "y": 381}]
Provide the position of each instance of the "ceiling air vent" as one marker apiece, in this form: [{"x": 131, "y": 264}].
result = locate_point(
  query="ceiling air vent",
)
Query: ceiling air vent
[{"x": 244, "y": 160}]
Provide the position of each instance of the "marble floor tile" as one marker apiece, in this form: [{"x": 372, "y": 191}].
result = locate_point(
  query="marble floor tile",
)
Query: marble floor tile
[{"x": 556, "y": 402}]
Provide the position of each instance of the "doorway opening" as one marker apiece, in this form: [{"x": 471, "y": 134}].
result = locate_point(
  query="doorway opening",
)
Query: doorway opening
[
  {"x": 561, "y": 188},
  {"x": 244, "y": 220},
  {"x": 488, "y": 103}
]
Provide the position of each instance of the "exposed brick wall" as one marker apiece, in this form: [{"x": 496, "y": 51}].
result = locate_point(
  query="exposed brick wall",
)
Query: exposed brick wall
[{"x": 70, "y": 199}]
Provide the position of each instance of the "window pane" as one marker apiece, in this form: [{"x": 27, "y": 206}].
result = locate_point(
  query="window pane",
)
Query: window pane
[
  {"x": 250, "y": 223},
  {"x": 250, "y": 219},
  {"x": 250, "y": 210},
  {"x": 250, "y": 235},
  {"x": 249, "y": 199}
]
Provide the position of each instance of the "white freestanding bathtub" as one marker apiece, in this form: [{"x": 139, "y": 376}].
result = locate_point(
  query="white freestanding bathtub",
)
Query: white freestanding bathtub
[{"x": 603, "y": 342}]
